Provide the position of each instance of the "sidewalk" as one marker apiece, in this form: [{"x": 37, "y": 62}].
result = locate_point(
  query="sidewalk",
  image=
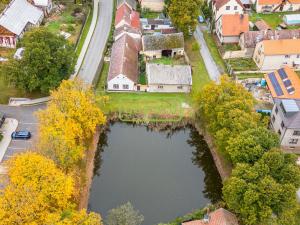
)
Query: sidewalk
[
  {"x": 209, "y": 62},
  {"x": 9, "y": 126}
]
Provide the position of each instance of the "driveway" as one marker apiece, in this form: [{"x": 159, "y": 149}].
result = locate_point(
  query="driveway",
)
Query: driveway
[
  {"x": 209, "y": 62},
  {"x": 91, "y": 63},
  {"x": 27, "y": 121}
]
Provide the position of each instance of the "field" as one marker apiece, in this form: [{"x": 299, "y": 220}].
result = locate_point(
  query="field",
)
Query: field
[{"x": 164, "y": 105}]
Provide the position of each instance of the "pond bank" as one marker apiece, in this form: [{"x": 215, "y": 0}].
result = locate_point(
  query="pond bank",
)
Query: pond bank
[{"x": 221, "y": 165}]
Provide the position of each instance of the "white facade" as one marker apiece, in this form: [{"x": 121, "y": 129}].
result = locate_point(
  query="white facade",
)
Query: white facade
[
  {"x": 156, "y": 54},
  {"x": 269, "y": 8},
  {"x": 133, "y": 35},
  {"x": 120, "y": 83},
  {"x": 273, "y": 62},
  {"x": 289, "y": 138},
  {"x": 231, "y": 7},
  {"x": 168, "y": 88}
]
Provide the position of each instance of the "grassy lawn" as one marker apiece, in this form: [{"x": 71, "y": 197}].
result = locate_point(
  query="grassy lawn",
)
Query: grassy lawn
[
  {"x": 250, "y": 75},
  {"x": 150, "y": 15},
  {"x": 67, "y": 21},
  {"x": 214, "y": 50},
  {"x": 165, "y": 105},
  {"x": 242, "y": 64},
  {"x": 84, "y": 32},
  {"x": 273, "y": 19},
  {"x": 169, "y": 61},
  {"x": 231, "y": 47}
]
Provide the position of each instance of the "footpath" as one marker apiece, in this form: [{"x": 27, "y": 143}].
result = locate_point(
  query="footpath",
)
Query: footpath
[{"x": 9, "y": 126}]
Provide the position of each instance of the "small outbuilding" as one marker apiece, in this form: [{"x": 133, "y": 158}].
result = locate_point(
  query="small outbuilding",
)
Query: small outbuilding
[
  {"x": 168, "y": 78},
  {"x": 292, "y": 19}
]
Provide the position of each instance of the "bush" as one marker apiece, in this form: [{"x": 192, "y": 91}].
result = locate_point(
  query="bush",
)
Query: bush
[
  {"x": 70, "y": 28},
  {"x": 195, "y": 46}
]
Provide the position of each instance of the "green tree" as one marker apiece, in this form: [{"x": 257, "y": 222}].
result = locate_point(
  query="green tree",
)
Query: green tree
[
  {"x": 250, "y": 145},
  {"x": 124, "y": 215},
  {"x": 265, "y": 192},
  {"x": 47, "y": 60},
  {"x": 184, "y": 14}
]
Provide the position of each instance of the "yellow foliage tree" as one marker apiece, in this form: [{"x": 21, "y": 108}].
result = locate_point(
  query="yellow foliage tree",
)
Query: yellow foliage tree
[{"x": 68, "y": 123}]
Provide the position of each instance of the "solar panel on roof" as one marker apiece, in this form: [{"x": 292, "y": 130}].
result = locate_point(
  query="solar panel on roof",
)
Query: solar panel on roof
[
  {"x": 287, "y": 83},
  {"x": 291, "y": 90},
  {"x": 282, "y": 74},
  {"x": 275, "y": 84}
]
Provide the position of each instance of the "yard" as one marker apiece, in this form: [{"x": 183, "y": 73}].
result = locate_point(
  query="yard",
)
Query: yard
[
  {"x": 273, "y": 19},
  {"x": 242, "y": 64},
  {"x": 168, "y": 106},
  {"x": 149, "y": 15},
  {"x": 69, "y": 19},
  {"x": 177, "y": 60}
]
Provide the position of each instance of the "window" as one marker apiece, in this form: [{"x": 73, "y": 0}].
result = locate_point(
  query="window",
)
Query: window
[
  {"x": 276, "y": 110},
  {"x": 293, "y": 141},
  {"x": 154, "y": 57},
  {"x": 287, "y": 56},
  {"x": 116, "y": 86},
  {"x": 160, "y": 87},
  {"x": 179, "y": 87},
  {"x": 273, "y": 118},
  {"x": 235, "y": 7},
  {"x": 227, "y": 7},
  {"x": 282, "y": 124},
  {"x": 296, "y": 133},
  {"x": 279, "y": 132},
  {"x": 125, "y": 86},
  {"x": 298, "y": 56}
]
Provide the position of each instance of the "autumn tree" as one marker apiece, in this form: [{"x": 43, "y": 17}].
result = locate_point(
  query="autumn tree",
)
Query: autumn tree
[
  {"x": 48, "y": 59},
  {"x": 265, "y": 192},
  {"x": 184, "y": 14},
  {"x": 250, "y": 145},
  {"x": 69, "y": 122},
  {"x": 124, "y": 215}
]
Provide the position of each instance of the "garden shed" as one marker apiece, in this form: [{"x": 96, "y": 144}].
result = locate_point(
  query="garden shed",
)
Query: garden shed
[{"x": 292, "y": 19}]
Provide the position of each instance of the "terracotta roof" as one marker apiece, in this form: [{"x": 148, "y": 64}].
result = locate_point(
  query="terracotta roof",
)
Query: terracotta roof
[
  {"x": 131, "y": 17},
  {"x": 219, "y": 3},
  {"x": 131, "y": 3},
  {"x": 269, "y": 2},
  {"x": 219, "y": 217},
  {"x": 162, "y": 41},
  {"x": 251, "y": 38},
  {"x": 295, "y": 82},
  {"x": 281, "y": 47},
  {"x": 234, "y": 24},
  {"x": 262, "y": 25},
  {"x": 126, "y": 29},
  {"x": 294, "y": 1},
  {"x": 124, "y": 58}
]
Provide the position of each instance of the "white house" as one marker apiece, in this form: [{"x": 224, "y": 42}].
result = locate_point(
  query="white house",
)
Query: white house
[
  {"x": 156, "y": 24},
  {"x": 225, "y": 7},
  {"x": 125, "y": 29},
  {"x": 273, "y": 54},
  {"x": 168, "y": 78},
  {"x": 45, "y": 5},
  {"x": 230, "y": 27},
  {"x": 264, "y": 6},
  {"x": 123, "y": 71},
  {"x": 284, "y": 85},
  {"x": 167, "y": 45},
  {"x": 15, "y": 19},
  {"x": 153, "y": 5}
]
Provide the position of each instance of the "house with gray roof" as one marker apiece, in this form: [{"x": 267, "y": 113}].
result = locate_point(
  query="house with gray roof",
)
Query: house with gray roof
[
  {"x": 168, "y": 78},
  {"x": 15, "y": 19},
  {"x": 159, "y": 45}
]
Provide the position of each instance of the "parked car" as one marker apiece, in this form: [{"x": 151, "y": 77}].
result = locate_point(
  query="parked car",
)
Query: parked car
[
  {"x": 21, "y": 135},
  {"x": 2, "y": 118},
  {"x": 200, "y": 19}
]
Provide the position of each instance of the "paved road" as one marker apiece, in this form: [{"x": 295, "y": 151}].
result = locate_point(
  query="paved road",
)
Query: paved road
[
  {"x": 209, "y": 62},
  {"x": 92, "y": 60},
  {"x": 27, "y": 121}
]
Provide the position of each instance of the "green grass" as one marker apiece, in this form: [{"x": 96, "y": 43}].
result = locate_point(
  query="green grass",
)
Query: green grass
[
  {"x": 250, "y": 75},
  {"x": 231, "y": 47},
  {"x": 273, "y": 19},
  {"x": 169, "y": 61},
  {"x": 150, "y": 15},
  {"x": 84, "y": 32},
  {"x": 142, "y": 79},
  {"x": 214, "y": 50},
  {"x": 165, "y": 105},
  {"x": 242, "y": 64}
]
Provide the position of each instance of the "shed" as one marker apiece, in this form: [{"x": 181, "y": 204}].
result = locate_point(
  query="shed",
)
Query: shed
[{"x": 291, "y": 19}]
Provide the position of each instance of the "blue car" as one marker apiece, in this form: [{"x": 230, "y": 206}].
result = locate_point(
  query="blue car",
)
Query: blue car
[
  {"x": 200, "y": 19},
  {"x": 21, "y": 135}
]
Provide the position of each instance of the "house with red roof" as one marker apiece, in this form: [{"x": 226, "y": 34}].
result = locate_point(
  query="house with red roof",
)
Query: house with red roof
[
  {"x": 230, "y": 27},
  {"x": 125, "y": 15},
  {"x": 265, "y": 6},
  {"x": 218, "y": 217},
  {"x": 225, "y": 7}
]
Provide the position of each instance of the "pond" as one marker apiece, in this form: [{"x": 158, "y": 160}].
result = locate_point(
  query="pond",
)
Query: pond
[{"x": 163, "y": 174}]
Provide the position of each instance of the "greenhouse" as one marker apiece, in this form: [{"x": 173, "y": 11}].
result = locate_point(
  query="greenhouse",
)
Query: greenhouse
[{"x": 292, "y": 19}]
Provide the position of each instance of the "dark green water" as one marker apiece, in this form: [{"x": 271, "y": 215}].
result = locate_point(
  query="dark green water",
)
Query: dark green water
[{"x": 163, "y": 174}]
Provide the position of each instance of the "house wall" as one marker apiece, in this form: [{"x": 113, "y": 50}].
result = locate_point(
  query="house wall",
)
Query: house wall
[
  {"x": 133, "y": 35},
  {"x": 153, "y": 5},
  {"x": 157, "y": 27},
  {"x": 158, "y": 54},
  {"x": 286, "y": 134},
  {"x": 169, "y": 88},
  {"x": 267, "y": 8},
  {"x": 120, "y": 80},
  {"x": 233, "y": 8},
  {"x": 8, "y": 41}
]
